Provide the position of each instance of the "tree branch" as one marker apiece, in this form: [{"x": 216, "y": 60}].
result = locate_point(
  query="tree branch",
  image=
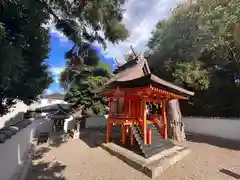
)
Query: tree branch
[
  {"x": 50, "y": 10},
  {"x": 134, "y": 53}
]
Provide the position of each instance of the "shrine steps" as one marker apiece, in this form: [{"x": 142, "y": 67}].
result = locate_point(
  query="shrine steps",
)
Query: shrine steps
[{"x": 157, "y": 145}]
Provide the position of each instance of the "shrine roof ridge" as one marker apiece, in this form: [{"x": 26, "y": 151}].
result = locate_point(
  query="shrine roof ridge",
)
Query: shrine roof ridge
[{"x": 136, "y": 73}]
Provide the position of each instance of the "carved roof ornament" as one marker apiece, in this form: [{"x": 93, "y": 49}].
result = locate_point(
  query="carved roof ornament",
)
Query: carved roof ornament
[
  {"x": 136, "y": 73},
  {"x": 116, "y": 62}
]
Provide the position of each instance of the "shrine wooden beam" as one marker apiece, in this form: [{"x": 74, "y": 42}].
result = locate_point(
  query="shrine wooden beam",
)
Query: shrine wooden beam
[
  {"x": 175, "y": 96},
  {"x": 158, "y": 101},
  {"x": 143, "y": 91},
  {"x": 130, "y": 91}
]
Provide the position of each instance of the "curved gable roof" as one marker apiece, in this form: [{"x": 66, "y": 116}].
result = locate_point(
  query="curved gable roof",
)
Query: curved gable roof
[{"x": 136, "y": 73}]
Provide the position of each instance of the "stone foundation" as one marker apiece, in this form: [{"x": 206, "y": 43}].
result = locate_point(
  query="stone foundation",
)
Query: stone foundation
[{"x": 153, "y": 166}]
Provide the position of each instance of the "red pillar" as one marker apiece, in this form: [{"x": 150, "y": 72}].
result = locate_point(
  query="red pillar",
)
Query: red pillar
[
  {"x": 149, "y": 136},
  {"x": 144, "y": 119},
  {"x": 164, "y": 120},
  {"x": 109, "y": 123},
  {"x": 124, "y": 128},
  {"x": 124, "y": 134},
  {"x": 108, "y": 134}
]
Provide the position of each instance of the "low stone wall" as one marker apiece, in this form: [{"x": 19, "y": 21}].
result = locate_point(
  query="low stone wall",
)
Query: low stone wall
[
  {"x": 15, "y": 115},
  {"x": 96, "y": 122},
  {"x": 227, "y": 128},
  {"x": 14, "y": 156}
]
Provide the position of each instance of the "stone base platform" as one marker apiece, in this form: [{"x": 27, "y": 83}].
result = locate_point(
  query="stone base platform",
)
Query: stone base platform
[{"x": 153, "y": 166}]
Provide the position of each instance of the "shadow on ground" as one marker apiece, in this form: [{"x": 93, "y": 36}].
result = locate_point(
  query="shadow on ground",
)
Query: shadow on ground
[
  {"x": 46, "y": 171},
  {"x": 223, "y": 143},
  {"x": 56, "y": 142},
  {"x": 230, "y": 173},
  {"x": 39, "y": 153},
  {"x": 53, "y": 139},
  {"x": 41, "y": 170},
  {"x": 93, "y": 137}
]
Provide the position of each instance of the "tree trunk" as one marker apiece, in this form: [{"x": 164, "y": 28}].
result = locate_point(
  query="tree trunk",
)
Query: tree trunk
[{"x": 175, "y": 124}]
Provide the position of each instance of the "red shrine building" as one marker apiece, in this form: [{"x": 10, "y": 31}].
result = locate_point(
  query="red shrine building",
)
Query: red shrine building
[{"x": 128, "y": 92}]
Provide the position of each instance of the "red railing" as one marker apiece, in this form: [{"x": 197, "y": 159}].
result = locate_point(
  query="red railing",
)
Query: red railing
[
  {"x": 149, "y": 136},
  {"x": 156, "y": 121},
  {"x": 139, "y": 122}
]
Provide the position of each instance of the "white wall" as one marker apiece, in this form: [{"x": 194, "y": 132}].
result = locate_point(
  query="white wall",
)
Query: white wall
[
  {"x": 226, "y": 128},
  {"x": 45, "y": 102},
  {"x": 218, "y": 127},
  {"x": 96, "y": 121},
  {"x": 14, "y": 150},
  {"x": 17, "y": 109}
]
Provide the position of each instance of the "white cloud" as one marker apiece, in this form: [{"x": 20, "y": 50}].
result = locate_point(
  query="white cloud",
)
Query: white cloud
[
  {"x": 56, "y": 79},
  {"x": 56, "y": 70},
  {"x": 140, "y": 19},
  {"x": 54, "y": 32},
  {"x": 49, "y": 91}
]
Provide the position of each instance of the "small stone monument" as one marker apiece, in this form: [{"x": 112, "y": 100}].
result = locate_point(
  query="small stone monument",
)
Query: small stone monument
[{"x": 76, "y": 131}]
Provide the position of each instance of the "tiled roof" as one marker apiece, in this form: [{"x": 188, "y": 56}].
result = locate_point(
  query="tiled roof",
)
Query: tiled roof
[
  {"x": 136, "y": 73},
  {"x": 56, "y": 95},
  {"x": 8, "y": 132},
  {"x": 55, "y": 107}
]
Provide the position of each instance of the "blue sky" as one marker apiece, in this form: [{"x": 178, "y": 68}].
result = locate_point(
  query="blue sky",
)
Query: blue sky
[
  {"x": 59, "y": 47},
  {"x": 140, "y": 19},
  {"x": 56, "y": 59}
]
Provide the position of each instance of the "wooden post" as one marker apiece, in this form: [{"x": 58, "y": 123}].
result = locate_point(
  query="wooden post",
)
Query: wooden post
[
  {"x": 131, "y": 136},
  {"x": 109, "y": 125},
  {"x": 110, "y": 130},
  {"x": 124, "y": 128},
  {"x": 126, "y": 107},
  {"x": 130, "y": 108},
  {"x": 149, "y": 136},
  {"x": 144, "y": 118},
  {"x": 136, "y": 108},
  {"x": 107, "y": 135},
  {"x": 132, "y": 104},
  {"x": 164, "y": 120},
  {"x": 123, "y": 134}
]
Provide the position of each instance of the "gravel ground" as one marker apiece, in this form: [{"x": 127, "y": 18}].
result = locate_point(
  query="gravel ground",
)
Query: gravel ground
[{"x": 83, "y": 160}]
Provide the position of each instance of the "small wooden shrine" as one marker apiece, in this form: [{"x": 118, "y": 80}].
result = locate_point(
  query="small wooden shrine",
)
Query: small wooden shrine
[
  {"x": 58, "y": 113},
  {"x": 128, "y": 92}
]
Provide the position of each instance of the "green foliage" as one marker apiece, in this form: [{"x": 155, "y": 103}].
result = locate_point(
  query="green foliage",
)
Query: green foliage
[
  {"x": 198, "y": 48},
  {"x": 85, "y": 21},
  {"x": 192, "y": 74},
  {"x": 23, "y": 50},
  {"x": 24, "y": 41},
  {"x": 84, "y": 74},
  {"x": 128, "y": 57},
  {"x": 82, "y": 90},
  {"x": 83, "y": 94},
  {"x": 105, "y": 66}
]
